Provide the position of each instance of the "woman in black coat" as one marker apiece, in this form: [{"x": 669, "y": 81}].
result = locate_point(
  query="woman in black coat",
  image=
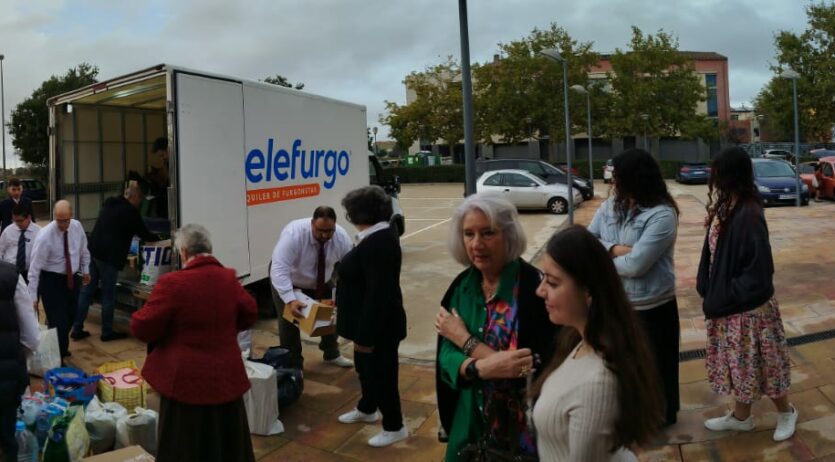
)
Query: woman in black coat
[{"x": 370, "y": 311}]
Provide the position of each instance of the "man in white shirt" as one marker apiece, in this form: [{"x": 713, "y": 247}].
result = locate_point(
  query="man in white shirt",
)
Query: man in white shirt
[
  {"x": 18, "y": 333},
  {"x": 304, "y": 258},
  {"x": 59, "y": 252},
  {"x": 16, "y": 240}
]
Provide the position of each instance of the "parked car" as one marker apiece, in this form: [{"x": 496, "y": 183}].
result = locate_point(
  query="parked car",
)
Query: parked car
[
  {"x": 545, "y": 171},
  {"x": 779, "y": 154},
  {"x": 693, "y": 172},
  {"x": 574, "y": 170},
  {"x": 827, "y": 186},
  {"x": 608, "y": 171},
  {"x": 807, "y": 175},
  {"x": 33, "y": 189},
  {"x": 819, "y": 153},
  {"x": 776, "y": 182},
  {"x": 527, "y": 191}
]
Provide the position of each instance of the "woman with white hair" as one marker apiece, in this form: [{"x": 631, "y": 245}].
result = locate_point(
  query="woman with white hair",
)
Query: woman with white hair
[
  {"x": 192, "y": 318},
  {"x": 490, "y": 326}
]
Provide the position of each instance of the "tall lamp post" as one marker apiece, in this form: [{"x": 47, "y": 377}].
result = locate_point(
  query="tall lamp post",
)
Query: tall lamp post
[
  {"x": 793, "y": 76},
  {"x": 554, "y": 54},
  {"x": 644, "y": 117},
  {"x": 467, "y": 93},
  {"x": 3, "y": 114},
  {"x": 374, "y": 131},
  {"x": 581, "y": 89}
]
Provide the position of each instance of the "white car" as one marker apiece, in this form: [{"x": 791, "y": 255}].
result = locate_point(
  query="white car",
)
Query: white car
[
  {"x": 608, "y": 170},
  {"x": 527, "y": 191}
]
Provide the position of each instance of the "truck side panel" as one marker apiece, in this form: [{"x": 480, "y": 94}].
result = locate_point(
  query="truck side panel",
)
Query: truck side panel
[{"x": 211, "y": 182}]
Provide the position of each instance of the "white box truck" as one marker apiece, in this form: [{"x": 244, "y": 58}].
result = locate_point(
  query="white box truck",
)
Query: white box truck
[{"x": 245, "y": 158}]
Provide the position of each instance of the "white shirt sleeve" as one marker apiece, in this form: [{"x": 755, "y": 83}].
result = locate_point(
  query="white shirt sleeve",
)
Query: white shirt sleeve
[
  {"x": 5, "y": 242},
  {"x": 285, "y": 256},
  {"x": 38, "y": 247},
  {"x": 26, "y": 319}
]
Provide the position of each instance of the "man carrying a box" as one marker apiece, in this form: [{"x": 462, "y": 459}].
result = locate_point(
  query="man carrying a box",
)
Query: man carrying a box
[
  {"x": 119, "y": 220},
  {"x": 304, "y": 258}
]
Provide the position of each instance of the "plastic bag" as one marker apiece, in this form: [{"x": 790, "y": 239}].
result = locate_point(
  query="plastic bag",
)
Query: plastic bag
[
  {"x": 261, "y": 401},
  {"x": 156, "y": 261},
  {"x": 290, "y": 385},
  {"x": 245, "y": 342},
  {"x": 31, "y": 406},
  {"x": 48, "y": 354},
  {"x": 138, "y": 428},
  {"x": 68, "y": 440},
  {"x": 100, "y": 420}
]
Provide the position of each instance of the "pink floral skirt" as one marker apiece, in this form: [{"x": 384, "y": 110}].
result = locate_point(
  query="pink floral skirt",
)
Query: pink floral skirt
[{"x": 747, "y": 354}]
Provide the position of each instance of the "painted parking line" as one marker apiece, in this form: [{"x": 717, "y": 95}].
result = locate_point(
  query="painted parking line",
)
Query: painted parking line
[
  {"x": 424, "y": 229},
  {"x": 425, "y": 219}
]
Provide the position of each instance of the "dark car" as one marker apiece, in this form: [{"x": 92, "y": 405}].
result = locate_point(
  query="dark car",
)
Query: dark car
[
  {"x": 776, "y": 182},
  {"x": 693, "y": 172},
  {"x": 33, "y": 189},
  {"x": 544, "y": 170}
]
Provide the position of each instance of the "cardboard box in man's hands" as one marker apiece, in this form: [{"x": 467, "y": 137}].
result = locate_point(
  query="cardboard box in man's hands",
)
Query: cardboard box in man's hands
[{"x": 318, "y": 317}]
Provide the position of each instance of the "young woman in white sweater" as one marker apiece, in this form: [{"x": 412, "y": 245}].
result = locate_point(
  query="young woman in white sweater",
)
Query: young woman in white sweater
[{"x": 599, "y": 395}]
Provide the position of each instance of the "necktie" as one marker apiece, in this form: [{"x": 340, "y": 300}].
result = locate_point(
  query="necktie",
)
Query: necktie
[
  {"x": 20, "y": 261},
  {"x": 67, "y": 262},
  {"x": 320, "y": 273}
]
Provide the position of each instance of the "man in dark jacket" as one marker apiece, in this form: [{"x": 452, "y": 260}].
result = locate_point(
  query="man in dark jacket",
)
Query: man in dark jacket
[
  {"x": 119, "y": 220},
  {"x": 15, "y": 197},
  {"x": 18, "y": 332}
]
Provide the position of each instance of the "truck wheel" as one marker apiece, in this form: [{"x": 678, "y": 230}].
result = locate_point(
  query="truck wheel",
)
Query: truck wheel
[{"x": 558, "y": 205}]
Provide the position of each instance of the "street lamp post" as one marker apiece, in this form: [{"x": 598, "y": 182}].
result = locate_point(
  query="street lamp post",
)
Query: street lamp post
[
  {"x": 581, "y": 89},
  {"x": 644, "y": 117},
  {"x": 374, "y": 131},
  {"x": 467, "y": 93},
  {"x": 3, "y": 114},
  {"x": 793, "y": 76},
  {"x": 554, "y": 54}
]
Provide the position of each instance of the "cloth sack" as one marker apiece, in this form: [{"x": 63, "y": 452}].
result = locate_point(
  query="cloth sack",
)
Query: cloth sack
[
  {"x": 138, "y": 428},
  {"x": 156, "y": 261},
  {"x": 261, "y": 401},
  {"x": 100, "y": 421},
  {"x": 48, "y": 354},
  {"x": 68, "y": 440}
]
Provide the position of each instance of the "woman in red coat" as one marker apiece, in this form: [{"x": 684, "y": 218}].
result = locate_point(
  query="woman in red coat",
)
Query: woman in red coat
[{"x": 192, "y": 319}]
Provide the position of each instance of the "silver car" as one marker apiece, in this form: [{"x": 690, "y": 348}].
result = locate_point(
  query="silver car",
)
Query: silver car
[{"x": 527, "y": 191}]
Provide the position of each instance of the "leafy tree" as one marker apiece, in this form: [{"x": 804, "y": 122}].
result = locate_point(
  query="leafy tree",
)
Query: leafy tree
[
  {"x": 30, "y": 119},
  {"x": 521, "y": 94},
  {"x": 655, "y": 90},
  {"x": 280, "y": 80},
  {"x": 812, "y": 55},
  {"x": 436, "y": 112}
]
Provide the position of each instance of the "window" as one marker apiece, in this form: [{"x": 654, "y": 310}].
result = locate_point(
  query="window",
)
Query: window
[
  {"x": 827, "y": 170},
  {"x": 712, "y": 100},
  {"x": 533, "y": 167},
  {"x": 519, "y": 181},
  {"x": 495, "y": 180}
]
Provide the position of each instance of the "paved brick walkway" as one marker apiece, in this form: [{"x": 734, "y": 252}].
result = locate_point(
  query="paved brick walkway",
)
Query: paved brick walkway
[{"x": 805, "y": 267}]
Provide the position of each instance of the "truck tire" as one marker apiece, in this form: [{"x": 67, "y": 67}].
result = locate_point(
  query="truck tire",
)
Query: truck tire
[{"x": 558, "y": 205}]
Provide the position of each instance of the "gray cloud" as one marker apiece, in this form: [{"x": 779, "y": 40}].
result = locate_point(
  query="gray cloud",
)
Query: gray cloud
[{"x": 361, "y": 50}]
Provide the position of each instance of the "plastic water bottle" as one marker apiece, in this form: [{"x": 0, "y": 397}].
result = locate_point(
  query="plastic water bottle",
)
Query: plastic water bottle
[{"x": 27, "y": 444}]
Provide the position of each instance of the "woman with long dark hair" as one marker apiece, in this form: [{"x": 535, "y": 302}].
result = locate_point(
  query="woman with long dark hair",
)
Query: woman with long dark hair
[
  {"x": 638, "y": 225},
  {"x": 598, "y": 396},
  {"x": 747, "y": 353}
]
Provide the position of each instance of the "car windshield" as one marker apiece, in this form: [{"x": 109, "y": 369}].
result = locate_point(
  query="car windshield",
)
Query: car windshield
[{"x": 772, "y": 169}]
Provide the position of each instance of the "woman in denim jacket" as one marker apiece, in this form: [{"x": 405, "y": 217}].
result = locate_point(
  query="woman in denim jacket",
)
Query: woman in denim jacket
[{"x": 638, "y": 225}]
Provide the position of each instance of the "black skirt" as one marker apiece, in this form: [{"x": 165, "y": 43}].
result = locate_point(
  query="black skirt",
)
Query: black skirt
[{"x": 203, "y": 433}]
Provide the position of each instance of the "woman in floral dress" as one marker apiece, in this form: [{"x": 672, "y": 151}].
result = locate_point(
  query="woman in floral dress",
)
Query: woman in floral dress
[{"x": 747, "y": 354}]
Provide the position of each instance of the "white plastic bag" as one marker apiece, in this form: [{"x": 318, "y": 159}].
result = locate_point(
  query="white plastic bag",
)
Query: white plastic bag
[
  {"x": 48, "y": 354},
  {"x": 156, "y": 261},
  {"x": 100, "y": 420},
  {"x": 261, "y": 401},
  {"x": 245, "y": 342},
  {"x": 138, "y": 428}
]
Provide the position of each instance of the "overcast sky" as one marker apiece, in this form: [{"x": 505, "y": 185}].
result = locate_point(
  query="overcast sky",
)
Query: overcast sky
[{"x": 360, "y": 50}]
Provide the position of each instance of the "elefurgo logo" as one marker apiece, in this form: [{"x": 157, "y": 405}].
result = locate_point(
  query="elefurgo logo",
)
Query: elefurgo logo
[{"x": 297, "y": 163}]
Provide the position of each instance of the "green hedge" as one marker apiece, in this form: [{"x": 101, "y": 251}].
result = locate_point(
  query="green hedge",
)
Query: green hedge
[{"x": 433, "y": 174}]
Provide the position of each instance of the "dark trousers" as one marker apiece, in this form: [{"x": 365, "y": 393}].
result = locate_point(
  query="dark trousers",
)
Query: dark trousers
[
  {"x": 378, "y": 379},
  {"x": 8, "y": 419},
  {"x": 60, "y": 304},
  {"x": 289, "y": 336},
  {"x": 663, "y": 332},
  {"x": 108, "y": 275},
  {"x": 205, "y": 433}
]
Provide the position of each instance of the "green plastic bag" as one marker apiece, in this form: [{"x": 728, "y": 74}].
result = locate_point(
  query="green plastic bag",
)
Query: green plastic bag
[{"x": 68, "y": 440}]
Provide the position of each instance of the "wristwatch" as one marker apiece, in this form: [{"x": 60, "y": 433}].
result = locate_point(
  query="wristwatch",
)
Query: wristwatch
[{"x": 471, "y": 372}]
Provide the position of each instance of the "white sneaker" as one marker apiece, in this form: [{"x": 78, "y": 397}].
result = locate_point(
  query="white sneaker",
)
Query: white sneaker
[
  {"x": 729, "y": 422},
  {"x": 384, "y": 438},
  {"x": 785, "y": 425},
  {"x": 340, "y": 361},
  {"x": 356, "y": 416}
]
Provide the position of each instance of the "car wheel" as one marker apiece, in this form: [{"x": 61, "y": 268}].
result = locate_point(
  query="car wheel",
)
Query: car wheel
[{"x": 558, "y": 205}]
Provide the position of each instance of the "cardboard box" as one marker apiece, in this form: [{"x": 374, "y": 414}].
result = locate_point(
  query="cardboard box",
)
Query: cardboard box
[
  {"x": 318, "y": 316},
  {"x": 128, "y": 454}
]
